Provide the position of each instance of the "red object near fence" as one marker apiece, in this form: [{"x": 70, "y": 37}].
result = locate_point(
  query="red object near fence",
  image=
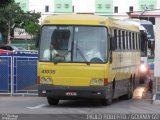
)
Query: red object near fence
[{"x": 5, "y": 51}]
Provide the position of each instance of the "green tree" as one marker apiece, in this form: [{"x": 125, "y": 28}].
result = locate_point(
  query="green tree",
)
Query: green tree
[
  {"x": 11, "y": 16},
  {"x": 4, "y": 3},
  {"x": 31, "y": 22}
]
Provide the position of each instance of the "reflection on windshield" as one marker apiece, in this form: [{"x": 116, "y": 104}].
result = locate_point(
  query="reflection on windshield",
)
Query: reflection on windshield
[
  {"x": 74, "y": 44},
  {"x": 81, "y": 54}
]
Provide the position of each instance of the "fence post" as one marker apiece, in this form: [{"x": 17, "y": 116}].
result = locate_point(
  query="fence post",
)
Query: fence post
[{"x": 12, "y": 76}]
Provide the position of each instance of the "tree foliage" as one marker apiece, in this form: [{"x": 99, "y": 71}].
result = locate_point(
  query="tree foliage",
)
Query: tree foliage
[
  {"x": 12, "y": 16},
  {"x": 4, "y": 3}
]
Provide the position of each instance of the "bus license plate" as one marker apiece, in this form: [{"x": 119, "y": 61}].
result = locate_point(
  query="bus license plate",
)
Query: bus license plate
[{"x": 71, "y": 94}]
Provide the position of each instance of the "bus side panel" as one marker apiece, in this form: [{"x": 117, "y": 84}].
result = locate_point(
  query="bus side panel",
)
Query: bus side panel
[{"x": 123, "y": 66}]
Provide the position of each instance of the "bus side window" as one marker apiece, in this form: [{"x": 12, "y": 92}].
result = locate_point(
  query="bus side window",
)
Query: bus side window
[
  {"x": 133, "y": 41},
  {"x": 130, "y": 45},
  {"x": 139, "y": 41},
  {"x": 136, "y": 46},
  {"x": 127, "y": 40},
  {"x": 123, "y": 39},
  {"x": 119, "y": 39},
  {"x": 114, "y": 39}
]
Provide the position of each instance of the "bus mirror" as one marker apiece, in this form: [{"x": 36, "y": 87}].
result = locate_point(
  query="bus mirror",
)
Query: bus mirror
[
  {"x": 37, "y": 40},
  {"x": 149, "y": 44}
]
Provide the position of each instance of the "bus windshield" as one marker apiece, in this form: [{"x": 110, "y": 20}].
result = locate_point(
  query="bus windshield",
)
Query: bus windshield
[
  {"x": 84, "y": 44},
  {"x": 147, "y": 39},
  {"x": 144, "y": 40}
]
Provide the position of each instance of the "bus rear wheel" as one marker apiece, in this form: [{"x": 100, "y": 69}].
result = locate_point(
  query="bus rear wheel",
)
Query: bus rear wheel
[
  {"x": 52, "y": 101},
  {"x": 130, "y": 91}
]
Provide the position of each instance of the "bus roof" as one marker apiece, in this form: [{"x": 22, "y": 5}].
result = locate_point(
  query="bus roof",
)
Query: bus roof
[
  {"x": 136, "y": 22},
  {"x": 83, "y": 19},
  {"x": 124, "y": 25},
  {"x": 88, "y": 19},
  {"x": 146, "y": 22},
  {"x": 144, "y": 25}
]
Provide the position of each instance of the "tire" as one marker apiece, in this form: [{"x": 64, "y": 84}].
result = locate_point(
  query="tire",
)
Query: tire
[
  {"x": 109, "y": 100},
  {"x": 52, "y": 101},
  {"x": 134, "y": 83},
  {"x": 130, "y": 91},
  {"x": 106, "y": 102}
]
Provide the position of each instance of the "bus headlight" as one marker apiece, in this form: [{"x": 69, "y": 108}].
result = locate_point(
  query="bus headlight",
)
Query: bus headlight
[
  {"x": 100, "y": 82},
  {"x": 97, "y": 82},
  {"x": 42, "y": 80},
  {"x": 143, "y": 68},
  {"x": 46, "y": 80},
  {"x": 49, "y": 80},
  {"x": 93, "y": 82}
]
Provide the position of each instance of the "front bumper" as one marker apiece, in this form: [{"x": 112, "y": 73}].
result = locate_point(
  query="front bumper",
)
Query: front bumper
[{"x": 61, "y": 92}]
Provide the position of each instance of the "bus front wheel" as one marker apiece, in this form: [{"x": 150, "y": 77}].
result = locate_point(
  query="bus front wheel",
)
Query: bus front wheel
[
  {"x": 108, "y": 101},
  {"x": 52, "y": 101}
]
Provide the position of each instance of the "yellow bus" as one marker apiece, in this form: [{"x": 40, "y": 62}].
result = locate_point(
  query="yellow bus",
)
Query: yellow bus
[{"x": 95, "y": 57}]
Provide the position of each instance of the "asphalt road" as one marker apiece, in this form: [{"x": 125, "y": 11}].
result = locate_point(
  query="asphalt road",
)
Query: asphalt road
[{"x": 71, "y": 109}]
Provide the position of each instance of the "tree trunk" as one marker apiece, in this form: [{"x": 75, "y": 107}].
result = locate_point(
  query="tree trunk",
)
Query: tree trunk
[{"x": 9, "y": 32}]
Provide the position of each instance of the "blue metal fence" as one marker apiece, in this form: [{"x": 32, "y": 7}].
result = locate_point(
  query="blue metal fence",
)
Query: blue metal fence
[
  {"x": 18, "y": 73},
  {"x": 25, "y": 70},
  {"x": 5, "y": 73}
]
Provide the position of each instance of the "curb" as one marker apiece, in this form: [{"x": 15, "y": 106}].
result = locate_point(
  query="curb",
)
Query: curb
[
  {"x": 21, "y": 94},
  {"x": 154, "y": 100}
]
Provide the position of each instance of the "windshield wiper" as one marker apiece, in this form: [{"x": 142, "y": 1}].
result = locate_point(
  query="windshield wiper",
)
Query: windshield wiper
[
  {"x": 82, "y": 55},
  {"x": 58, "y": 59},
  {"x": 61, "y": 58}
]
